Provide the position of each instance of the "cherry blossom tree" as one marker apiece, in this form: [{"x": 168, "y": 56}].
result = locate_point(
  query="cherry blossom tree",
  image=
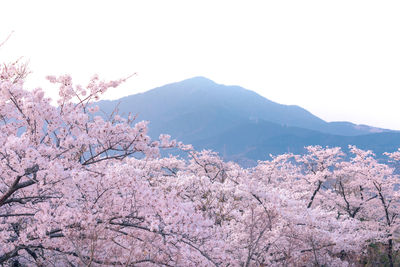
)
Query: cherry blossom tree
[
  {"x": 64, "y": 186},
  {"x": 359, "y": 188},
  {"x": 80, "y": 189}
]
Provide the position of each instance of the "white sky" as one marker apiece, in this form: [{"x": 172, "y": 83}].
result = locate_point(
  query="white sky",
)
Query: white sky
[{"x": 338, "y": 59}]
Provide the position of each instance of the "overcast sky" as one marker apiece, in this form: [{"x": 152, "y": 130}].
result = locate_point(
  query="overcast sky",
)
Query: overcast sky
[{"x": 338, "y": 59}]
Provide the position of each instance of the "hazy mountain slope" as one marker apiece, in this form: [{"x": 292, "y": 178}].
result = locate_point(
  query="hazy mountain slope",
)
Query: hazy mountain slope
[
  {"x": 255, "y": 141},
  {"x": 240, "y": 124},
  {"x": 201, "y": 97}
]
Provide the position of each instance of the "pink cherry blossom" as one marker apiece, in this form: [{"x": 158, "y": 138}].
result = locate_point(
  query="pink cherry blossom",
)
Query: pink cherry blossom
[{"x": 80, "y": 190}]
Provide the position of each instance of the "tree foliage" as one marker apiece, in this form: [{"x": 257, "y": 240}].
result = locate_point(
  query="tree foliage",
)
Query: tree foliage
[{"x": 73, "y": 193}]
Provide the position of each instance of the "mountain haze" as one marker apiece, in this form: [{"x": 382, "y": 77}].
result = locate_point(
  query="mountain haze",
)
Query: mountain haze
[{"x": 239, "y": 123}]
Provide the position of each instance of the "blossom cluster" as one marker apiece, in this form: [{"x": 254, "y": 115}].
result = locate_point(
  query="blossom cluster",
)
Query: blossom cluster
[{"x": 80, "y": 189}]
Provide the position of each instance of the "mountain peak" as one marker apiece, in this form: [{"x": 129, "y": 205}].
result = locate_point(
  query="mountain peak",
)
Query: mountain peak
[
  {"x": 199, "y": 95},
  {"x": 240, "y": 123},
  {"x": 198, "y": 80}
]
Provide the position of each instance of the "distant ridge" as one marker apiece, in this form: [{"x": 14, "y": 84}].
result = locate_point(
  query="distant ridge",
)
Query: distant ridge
[{"x": 207, "y": 115}]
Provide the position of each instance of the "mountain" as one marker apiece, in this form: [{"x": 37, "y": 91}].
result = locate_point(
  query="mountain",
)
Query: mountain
[
  {"x": 252, "y": 141},
  {"x": 239, "y": 123}
]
